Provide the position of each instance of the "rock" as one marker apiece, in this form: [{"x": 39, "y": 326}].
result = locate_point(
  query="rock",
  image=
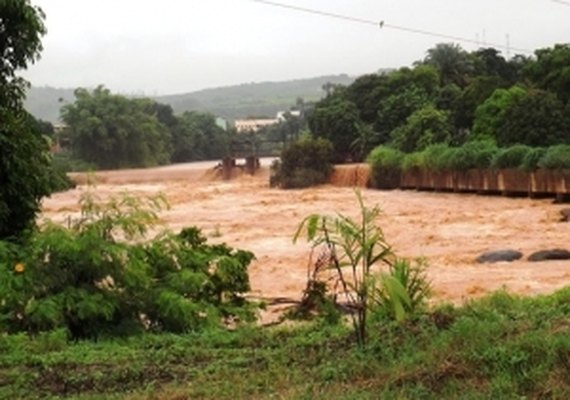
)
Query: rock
[
  {"x": 554, "y": 254},
  {"x": 565, "y": 215},
  {"x": 498, "y": 256}
]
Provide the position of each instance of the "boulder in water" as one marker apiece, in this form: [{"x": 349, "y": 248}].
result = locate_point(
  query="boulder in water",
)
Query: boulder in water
[
  {"x": 565, "y": 215},
  {"x": 498, "y": 256},
  {"x": 546, "y": 255}
]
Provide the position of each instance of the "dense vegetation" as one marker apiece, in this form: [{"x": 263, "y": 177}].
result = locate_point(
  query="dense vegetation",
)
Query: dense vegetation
[
  {"x": 306, "y": 162},
  {"x": 231, "y": 102},
  {"x": 498, "y": 347},
  {"x": 451, "y": 97},
  {"x": 26, "y": 171},
  {"x": 388, "y": 163},
  {"x": 113, "y": 131},
  {"x": 103, "y": 275}
]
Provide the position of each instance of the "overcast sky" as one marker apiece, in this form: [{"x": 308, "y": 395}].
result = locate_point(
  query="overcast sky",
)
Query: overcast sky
[{"x": 176, "y": 46}]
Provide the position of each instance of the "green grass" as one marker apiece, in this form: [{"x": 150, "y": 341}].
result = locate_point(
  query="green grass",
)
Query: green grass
[{"x": 501, "y": 347}]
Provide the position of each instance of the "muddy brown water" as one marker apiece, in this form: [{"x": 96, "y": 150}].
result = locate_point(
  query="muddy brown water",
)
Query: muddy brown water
[{"x": 449, "y": 230}]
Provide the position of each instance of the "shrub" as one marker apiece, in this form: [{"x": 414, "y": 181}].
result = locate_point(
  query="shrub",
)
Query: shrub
[
  {"x": 413, "y": 160},
  {"x": 556, "y": 157},
  {"x": 59, "y": 181},
  {"x": 512, "y": 157},
  {"x": 475, "y": 154},
  {"x": 435, "y": 157},
  {"x": 96, "y": 276},
  {"x": 386, "y": 166},
  {"x": 532, "y": 159},
  {"x": 305, "y": 163},
  {"x": 403, "y": 291}
]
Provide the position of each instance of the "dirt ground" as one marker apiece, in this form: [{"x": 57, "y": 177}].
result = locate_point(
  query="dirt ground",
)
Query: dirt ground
[{"x": 449, "y": 230}]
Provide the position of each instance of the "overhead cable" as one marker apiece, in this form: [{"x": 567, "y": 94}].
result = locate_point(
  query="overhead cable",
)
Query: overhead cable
[{"x": 384, "y": 25}]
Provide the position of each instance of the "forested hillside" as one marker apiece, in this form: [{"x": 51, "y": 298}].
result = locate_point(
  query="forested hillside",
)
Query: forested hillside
[{"x": 240, "y": 101}]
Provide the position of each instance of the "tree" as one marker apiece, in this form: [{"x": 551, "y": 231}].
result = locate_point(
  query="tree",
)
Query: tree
[
  {"x": 489, "y": 114},
  {"x": 537, "y": 119},
  {"x": 337, "y": 120},
  {"x": 366, "y": 92},
  {"x": 394, "y": 111},
  {"x": 551, "y": 70},
  {"x": 113, "y": 131},
  {"x": 453, "y": 63},
  {"x": 307, "y": 162},
  {"x": 197, "y": 137},
  {"x": 480, "y": 88},
  {"x": 424, "y": 127},
  {"x": 24, "y": 159},
  {"x": 488, "y": 61}
]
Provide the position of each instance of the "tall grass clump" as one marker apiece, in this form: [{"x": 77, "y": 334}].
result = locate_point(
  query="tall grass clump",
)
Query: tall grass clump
[
  {"x": 386, "y": 166},
  {"x": 475, "y": 154},
  {"x": 435, "y": 157},
  {"x": 511, "y": 157},
  {"x": 532, "y": 159},
  {"x": 556, "y": 157}
]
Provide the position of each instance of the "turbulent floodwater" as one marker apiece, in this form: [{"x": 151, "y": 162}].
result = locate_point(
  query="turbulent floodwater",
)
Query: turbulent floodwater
[{"x": 449, "y": 230}]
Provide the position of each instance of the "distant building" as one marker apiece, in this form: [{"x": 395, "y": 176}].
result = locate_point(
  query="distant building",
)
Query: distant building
[
  {"x": 281, "y": 114},
  {"x": 253, "y": 125}
]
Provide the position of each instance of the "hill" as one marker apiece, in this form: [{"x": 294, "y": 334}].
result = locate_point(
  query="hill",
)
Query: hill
[{"x": 231, "y": 102}]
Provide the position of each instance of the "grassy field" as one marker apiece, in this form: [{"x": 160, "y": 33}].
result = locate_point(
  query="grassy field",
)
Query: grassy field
[{"x": 499, "y": 347}]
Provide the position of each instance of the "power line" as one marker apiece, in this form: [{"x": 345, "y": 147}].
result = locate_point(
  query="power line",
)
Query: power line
[{"x": 383, "y": 25}]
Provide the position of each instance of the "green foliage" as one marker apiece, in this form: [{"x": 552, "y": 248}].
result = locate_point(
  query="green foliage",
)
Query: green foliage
[
  {"x": 537, "y": 119},
  {"x": 440, "y": 157},
  {"x": 24, "y": 160},
  {"x": 475, "y": 154},
  {"x": 489, "y": 115},
  {"x": 97, "y": 276},
  {"x": 197, "y": 137},
  {"x": 489, "y": 62},
  {"x": 337, "y": 120},
  {"x": 435, "y": 157},
  {"x": 24, "y": 173},
  {"x": 424, "y": 127},
  {"x": 501, "y": 346},
  {"x": 22, "y": 26},
  {"x": 556, "y": 157},
  {"x": 551, "y": 70},
  {"x": 355, "y": 247},
  {"x": 532, "y": 158},
  {"x": 385, "y": 167},
  {"x": 452, "y": 62},
  {"x": 305, "y": 163},
  {"x": 512, "y": 157},
  {"x": 112, "y": 131},
  {"x": 403, "y": 291},
  {"x": 395, "y": 109}
]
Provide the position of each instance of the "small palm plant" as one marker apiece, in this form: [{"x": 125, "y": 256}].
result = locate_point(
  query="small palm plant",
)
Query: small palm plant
[{"x": 355, "y": 247}]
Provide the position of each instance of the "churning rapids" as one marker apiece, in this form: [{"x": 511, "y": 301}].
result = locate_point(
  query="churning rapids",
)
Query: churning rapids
[{"x": 449, "y": 230}]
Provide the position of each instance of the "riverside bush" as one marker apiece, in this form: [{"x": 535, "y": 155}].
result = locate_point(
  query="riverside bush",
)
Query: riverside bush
[
  {"x": 98, "y": 276},
  {"x": 532, "y": 158},
  {"x": 511, "y": 157},
  {"x": 307, "y": 162},
  {"x": 556, "y": 157},
  {"x": 386, "y": 166}
]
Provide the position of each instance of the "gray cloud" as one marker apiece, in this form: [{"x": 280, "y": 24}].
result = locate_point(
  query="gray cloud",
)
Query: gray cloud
[{"x": 176, "y": 46}]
